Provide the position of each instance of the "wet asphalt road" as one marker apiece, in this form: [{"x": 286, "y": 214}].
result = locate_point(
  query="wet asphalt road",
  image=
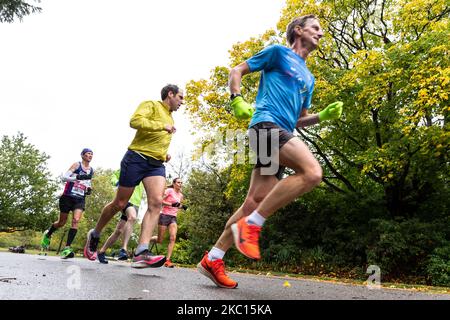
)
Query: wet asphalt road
[{"x": 34, "y": 277}]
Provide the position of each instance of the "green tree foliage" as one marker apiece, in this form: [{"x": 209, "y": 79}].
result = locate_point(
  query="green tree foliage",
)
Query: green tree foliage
[
  {"x": 11, "y": 9},
  {"x": 438, "y": 268},
  {"x": 103, "y": 192},
  {"x": 208, "y": 211},
  {"x": 27, "y": 192},
  {"x": 386, "y": 165}
]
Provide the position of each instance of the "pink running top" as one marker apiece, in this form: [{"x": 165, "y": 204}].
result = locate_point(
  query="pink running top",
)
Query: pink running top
[{"x": 171, "y": 196}]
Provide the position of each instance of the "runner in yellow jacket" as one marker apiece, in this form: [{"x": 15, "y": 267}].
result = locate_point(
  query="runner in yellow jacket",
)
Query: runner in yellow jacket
[{"x": 143, "y": 162}]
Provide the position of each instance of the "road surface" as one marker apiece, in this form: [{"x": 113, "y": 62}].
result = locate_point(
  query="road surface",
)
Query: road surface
[{"x": 25, "y": 277}]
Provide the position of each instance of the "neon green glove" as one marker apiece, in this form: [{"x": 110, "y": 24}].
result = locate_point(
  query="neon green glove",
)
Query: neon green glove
[
  {"x": 242, "y": 109},
  {"x": 331, "y": 112}
]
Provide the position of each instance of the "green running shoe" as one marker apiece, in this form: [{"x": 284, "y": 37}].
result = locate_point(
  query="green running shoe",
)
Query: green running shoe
[
  {"x": 67, "y": 253},
  {"x": 45, "y": 242}
]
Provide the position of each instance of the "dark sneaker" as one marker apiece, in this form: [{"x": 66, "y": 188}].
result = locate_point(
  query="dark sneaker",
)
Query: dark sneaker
[
  {"x": 147, "y": 260},
  {"x": 18, "y": 249},
  {"x": 123, "y": 255},
  {"x": 102, "y": 258},
  {"x": 215, "y": 270},
  {"x": 90, "y": 249}
]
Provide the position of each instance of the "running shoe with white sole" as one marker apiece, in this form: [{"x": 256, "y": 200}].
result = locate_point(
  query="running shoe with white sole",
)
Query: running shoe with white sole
[{"x": 147, "y": 260}]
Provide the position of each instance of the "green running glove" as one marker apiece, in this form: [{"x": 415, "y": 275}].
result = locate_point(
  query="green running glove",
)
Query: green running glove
[
  {"x": 331, "y": 112},
  {"x": 242, "y": 109}
]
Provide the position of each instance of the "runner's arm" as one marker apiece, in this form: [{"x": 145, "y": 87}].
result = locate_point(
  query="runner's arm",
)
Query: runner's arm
[
  {"x": 140, "y": 119},
  {"x": 331, "y": 112},
  {"x": 307, "y": 119},
  {"x": 236, "y": 75},
  {"x": 68, "y": 175}
]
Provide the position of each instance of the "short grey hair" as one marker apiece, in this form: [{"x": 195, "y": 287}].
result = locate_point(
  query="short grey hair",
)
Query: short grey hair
[{"x": 300, "y": 21}]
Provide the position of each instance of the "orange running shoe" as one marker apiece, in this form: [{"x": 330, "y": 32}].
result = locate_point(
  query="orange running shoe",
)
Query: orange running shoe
[
  {"x": 246, "y": 237},
  {"x": 215, "y": 270},
  {"x": 168, "y": 264}
]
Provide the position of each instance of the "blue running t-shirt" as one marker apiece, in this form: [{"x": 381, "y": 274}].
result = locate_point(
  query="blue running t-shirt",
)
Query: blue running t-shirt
[{"x": 285, "y": 88}]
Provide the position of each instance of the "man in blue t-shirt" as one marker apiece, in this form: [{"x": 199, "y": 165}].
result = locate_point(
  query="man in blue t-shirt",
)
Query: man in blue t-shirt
[{"x": 282, "y": 104}]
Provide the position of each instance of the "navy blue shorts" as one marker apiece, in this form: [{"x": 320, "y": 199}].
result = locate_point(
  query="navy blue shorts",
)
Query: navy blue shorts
[{"x": 134, "y": 168}]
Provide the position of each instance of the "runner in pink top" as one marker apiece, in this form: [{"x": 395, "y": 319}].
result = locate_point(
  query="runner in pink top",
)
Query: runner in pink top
[
  {"x": 172, "y": 202},
  {"x": 172, "y": 196}
]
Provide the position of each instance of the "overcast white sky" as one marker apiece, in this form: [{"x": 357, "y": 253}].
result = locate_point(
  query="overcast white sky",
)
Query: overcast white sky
[{"x": 72, "y": 76}]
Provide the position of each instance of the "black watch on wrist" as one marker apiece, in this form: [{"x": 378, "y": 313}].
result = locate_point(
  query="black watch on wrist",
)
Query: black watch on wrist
[{"x": 234, "y": 95}]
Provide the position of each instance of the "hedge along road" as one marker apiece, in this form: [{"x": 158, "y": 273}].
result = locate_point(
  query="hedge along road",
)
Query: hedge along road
[{"x": 34, "y": 277}]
